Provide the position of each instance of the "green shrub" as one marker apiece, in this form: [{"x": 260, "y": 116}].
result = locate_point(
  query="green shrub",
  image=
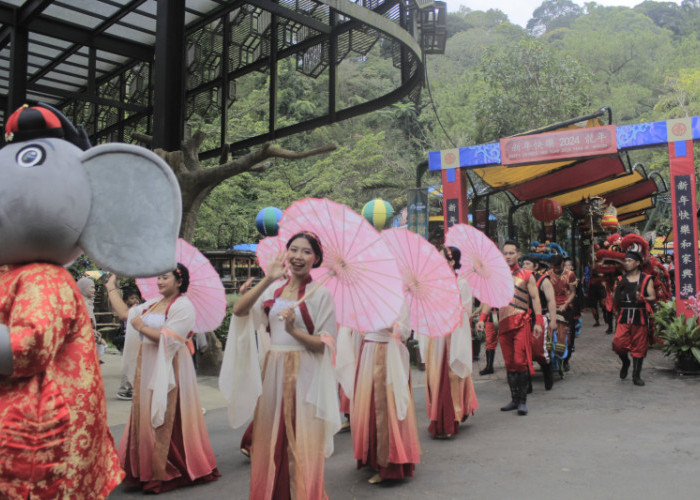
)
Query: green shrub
[{"x": 681, "y": 334}]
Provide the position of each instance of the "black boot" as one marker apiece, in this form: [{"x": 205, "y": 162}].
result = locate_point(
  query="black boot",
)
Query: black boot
[
  {"x": 476, "y": 349},
  {"x": 548, "y": 375},
  {"x": 523, "y": 378},
  {"x": 490, "y": 354},
  {"x": 625, "y": 365},
  {"x": 514, "y": 392},
  {"x": 637, "y": 371},
  {"x": 609, "y": 321}
]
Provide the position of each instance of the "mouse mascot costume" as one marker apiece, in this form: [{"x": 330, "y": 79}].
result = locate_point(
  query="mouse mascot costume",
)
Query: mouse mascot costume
[{"x": 121, "y": 205}]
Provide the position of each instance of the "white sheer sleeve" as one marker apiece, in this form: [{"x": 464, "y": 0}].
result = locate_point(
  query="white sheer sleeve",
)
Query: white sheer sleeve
[
  {"x": 240, "y": 378},
  {"x": 461, "y": 338},
  {"x": 178, "y": 325},
  {"x": 323, "y": 392},
  {"x": 397, "y": 363}
]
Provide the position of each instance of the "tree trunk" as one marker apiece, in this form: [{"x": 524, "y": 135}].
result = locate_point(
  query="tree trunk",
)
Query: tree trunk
[
  {"x": 190, "y": 209},
  {"x": 196, "y": 183}
]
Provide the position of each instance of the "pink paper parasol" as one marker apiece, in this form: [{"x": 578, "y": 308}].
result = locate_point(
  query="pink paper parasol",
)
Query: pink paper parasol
[
  {"x": 358, "y": 268},
  {"x": 268, "y": 249},
  {"x": 483, "y": 265},
  {"x": 430, "y": 285},
  {"x": 206, "y": 292}
]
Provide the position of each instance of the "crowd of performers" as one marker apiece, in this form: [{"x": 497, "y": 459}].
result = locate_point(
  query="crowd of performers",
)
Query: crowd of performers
[
  {"x": 295, "y": 403},
  {"x": 290, "y": 370}
]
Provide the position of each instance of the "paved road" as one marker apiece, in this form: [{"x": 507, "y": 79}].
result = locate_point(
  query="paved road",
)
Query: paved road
[{"x": 591, "y": 437}]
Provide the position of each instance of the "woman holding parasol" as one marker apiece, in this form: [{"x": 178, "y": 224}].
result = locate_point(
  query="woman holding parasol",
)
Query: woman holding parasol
[
  {"x": 450, "y": 395},
  {"x": 165, "y": 443},
  {"x": 297, "y": 412},
  {"x": 383, "y": 415}
]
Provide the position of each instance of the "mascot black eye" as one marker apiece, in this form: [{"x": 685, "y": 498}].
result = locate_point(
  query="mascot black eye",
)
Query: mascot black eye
[{"x": 31, "y": 156}]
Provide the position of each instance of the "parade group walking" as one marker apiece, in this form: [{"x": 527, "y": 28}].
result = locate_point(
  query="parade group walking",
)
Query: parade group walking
[{"x": 327, "y": 323}]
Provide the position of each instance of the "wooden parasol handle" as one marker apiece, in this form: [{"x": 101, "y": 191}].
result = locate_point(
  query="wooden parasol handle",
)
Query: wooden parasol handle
[{"x": 311, "y": 291}]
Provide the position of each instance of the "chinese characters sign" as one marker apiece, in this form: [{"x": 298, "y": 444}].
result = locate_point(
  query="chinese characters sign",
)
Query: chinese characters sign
[
  {"x": 451, "y": 212},
  {"x": 685, "y": 246},
  {"x": 685, "y": 231},
  {"x": 454, "y": 189},
  {"x": 418, "y": 211},
  {"x": 593, "y": 141}
]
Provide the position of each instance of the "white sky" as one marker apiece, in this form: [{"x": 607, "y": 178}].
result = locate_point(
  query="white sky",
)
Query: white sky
[{"x": 520, "y": 11}]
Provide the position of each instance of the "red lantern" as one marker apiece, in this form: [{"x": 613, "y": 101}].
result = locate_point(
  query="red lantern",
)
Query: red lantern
[{"x": 546, "y": 210}]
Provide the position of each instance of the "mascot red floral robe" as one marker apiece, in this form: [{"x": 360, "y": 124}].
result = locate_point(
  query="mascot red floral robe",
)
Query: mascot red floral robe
[
  {"x": 54, "y": 438},
  {"x": 53, "y": 405}
]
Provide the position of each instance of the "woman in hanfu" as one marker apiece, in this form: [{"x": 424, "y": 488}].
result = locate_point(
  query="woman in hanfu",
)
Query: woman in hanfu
[
  {"x": 383, "y": 415},
  {"x": 165, "y": 444},
  {"x": 450, "y": 396},
  {"x": 295, "y": 402}
]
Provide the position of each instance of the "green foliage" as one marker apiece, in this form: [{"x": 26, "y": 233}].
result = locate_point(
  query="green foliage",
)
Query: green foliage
[
  {"x": 681, "y": 335},
  {"x": 552, "y": 15},
  {"x": 682, "y": 96},
  {"x": 628, "y": 55},
  {"x": 222, "y": 332},
  {"x": 682, "y": 20},
  {"x": 528, "y": 85},
  {"x": 78, "y": 267}
]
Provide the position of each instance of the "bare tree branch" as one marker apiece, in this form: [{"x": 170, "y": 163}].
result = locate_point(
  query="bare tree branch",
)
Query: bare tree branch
[
  {"x": 143, "y": 138},
  {"x": 246, "y": 162},
  {"x": 190, "y": 148}
]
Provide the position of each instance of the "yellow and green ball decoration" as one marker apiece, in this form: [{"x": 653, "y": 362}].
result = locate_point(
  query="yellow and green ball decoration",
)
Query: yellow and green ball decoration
[{"x": 379, "y": 213}]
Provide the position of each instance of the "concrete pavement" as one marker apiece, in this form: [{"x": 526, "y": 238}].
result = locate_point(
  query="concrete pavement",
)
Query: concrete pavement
[{"x": 592, "y": 436}]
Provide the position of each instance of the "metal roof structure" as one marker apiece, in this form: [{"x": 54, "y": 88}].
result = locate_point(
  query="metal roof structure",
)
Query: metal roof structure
[{"x": 114, "y": 65}]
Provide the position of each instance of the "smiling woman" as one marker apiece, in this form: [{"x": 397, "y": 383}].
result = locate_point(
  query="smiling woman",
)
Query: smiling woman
[
  {"x": 289, "y": 461},
  {"x": 165, "y": 444}
]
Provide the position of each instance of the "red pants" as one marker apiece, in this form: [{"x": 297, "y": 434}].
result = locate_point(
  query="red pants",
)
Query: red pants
[
  {"x": 632, "y": 339},
  {"x": 514, "y": 334},
  {"x": 491, "y": 336}
]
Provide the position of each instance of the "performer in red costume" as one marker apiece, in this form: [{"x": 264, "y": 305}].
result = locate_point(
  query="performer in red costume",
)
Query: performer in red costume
[
  {"x": 633, "y": 295},
  {"x": 547, "y": 300},
  {"x": 564, "y": 284},
  {"x": 54, "y": 436},
  {"x": 654, "y": 268},
  {"x": 514, "y": 329},
  {"x": 608, "y": 266},
  {"x": 596, "y": 295},
  {"x": 491, "y": 335}
]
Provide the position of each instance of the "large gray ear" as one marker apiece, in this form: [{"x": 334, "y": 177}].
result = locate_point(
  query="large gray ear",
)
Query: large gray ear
[{"x": 136, "y": 210}]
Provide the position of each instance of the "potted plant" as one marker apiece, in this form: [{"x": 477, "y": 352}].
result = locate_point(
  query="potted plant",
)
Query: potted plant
[{"x": 681, "y": 336}]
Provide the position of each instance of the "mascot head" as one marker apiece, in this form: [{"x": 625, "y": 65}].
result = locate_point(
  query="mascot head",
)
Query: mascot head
[{"x": 59, "y": 197}]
